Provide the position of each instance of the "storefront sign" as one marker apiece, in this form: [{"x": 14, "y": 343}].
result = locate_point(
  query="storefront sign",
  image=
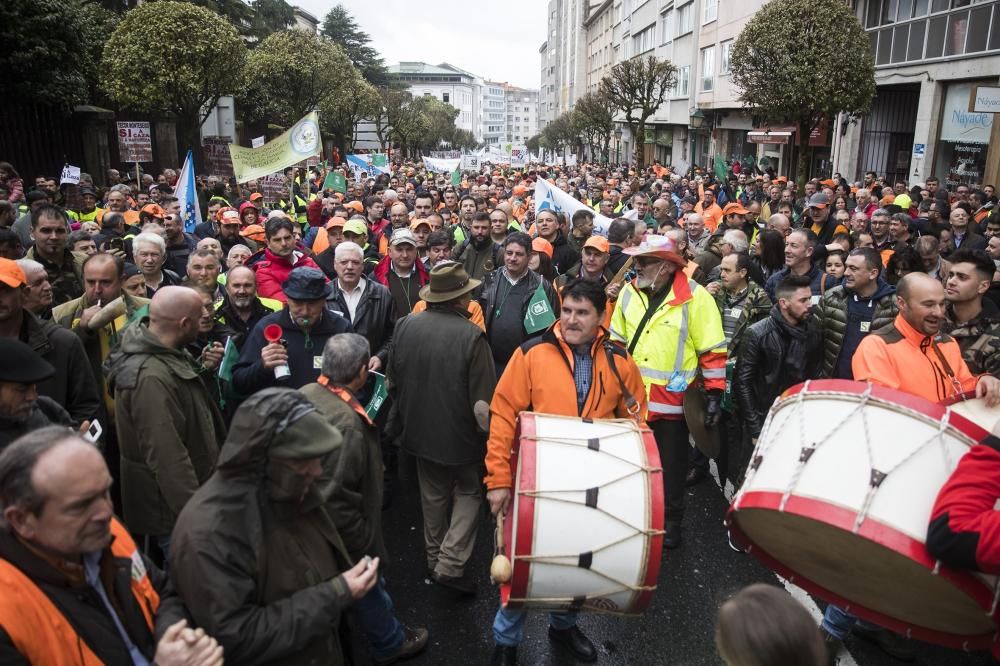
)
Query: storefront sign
[
  {"x": 985, "y": 99},
  {"x": 958, "y": 124}
]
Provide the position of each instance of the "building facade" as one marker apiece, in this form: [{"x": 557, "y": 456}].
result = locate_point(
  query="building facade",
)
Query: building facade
[
  {"x": 522, "y": 114},
  {"x": 929, "y": 55},
  {"x": 449, "y": 84},
  {"x": 494, "y": 113}
]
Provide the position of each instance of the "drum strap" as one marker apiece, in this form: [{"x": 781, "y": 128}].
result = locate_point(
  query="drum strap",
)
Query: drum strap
[
  {"x": 631, "y": 404},
  {"x": 957, "y": 385}
]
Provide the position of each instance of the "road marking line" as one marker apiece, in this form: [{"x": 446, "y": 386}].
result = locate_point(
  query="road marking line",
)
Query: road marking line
[{"x": 844, "y": 657}]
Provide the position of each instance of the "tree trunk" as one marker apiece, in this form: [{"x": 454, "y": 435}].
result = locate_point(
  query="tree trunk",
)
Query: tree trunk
[{"x": 639, "y": 136}]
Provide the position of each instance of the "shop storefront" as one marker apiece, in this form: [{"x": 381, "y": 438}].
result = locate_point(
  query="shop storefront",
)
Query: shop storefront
[{"x": 964, "y": 138}]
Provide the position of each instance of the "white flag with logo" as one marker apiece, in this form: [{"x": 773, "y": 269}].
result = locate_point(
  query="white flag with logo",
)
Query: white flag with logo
[{"x": 549, "y": 197}]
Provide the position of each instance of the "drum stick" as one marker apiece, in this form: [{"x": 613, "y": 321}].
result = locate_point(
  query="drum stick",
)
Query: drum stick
[{"x": 500, "y": 568}]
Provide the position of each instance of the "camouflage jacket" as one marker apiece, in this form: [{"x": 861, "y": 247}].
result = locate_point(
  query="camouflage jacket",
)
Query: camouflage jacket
[
  {"x": 979, "y": 339},
  {"x": 66, "y": 280}
]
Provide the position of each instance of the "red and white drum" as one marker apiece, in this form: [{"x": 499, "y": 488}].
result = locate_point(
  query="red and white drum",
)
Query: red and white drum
[
  {"x": 585, "y": 527},
  {"x": 838, "y": 498}
]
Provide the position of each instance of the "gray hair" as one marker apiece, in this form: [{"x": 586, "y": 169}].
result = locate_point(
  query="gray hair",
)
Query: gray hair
[
  {"x": 345, "y": 247},
  {"x": 152, "y": 239},
  {"x": 881, "y": 211},
  {"x": 29, "y": 265},
  {"x": 736, "y": 239},
  {"x": 121, "y": 187},
  {"x": 17, "y": 463},
  {"x": 343, "y": 357},
  {"x": 237, "y": 248}
]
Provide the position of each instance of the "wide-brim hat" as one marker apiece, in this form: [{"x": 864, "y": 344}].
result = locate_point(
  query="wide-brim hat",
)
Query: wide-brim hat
[
  {"x": 449, "y": 280},
  {"x": 661, "y": 247}
]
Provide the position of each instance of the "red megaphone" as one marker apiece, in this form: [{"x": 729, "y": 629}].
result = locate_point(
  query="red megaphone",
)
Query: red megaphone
[{"x": 272, "y": 333}]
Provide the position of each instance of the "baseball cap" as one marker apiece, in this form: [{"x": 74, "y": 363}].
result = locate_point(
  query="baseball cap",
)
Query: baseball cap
[
  {"x": 356, "y": 227},
  {"x": 734, "y": 208},
  {"x": 420, "y": 221},
  {"x": 335, "y": 221},
  {"x": 541, "y": 245},
  {"x": 11, "y": 274},
  {"x": 229, "y": 216},
  {"x": 254, "y": 232},
  {"x": 818, "y": 200},
  {"x": 903, "y": 201},
  {"x": 256, "y": 196},
  {"x": 599, "y": 243},
  {"x": 153, "y": 209},
  {"x": 400, "y": 236},
  {"x": 355, "y": 206}
]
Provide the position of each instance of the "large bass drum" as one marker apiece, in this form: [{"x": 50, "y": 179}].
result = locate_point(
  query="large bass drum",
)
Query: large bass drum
[
  {"x": 585, "y": 528},
  {"x": 838, "y": 498}
]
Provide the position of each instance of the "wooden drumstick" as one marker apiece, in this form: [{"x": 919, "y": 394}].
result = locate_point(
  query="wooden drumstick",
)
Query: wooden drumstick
[{"x": 500, "y": 569}]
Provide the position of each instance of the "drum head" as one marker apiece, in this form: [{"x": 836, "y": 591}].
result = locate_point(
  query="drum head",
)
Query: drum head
[
  {"x": 821, "y": 557},
  {"x": 707, "y": 440}
]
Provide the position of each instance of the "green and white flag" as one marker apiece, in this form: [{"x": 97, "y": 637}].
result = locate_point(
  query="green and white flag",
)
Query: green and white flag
[
  {"x": 539, "y": 315},
  {"x": 456, "y": 178},
  {"x": 229, "y": 357},
  {"x": 380, "y": 160},
  {"x": 379, "y": 394},
  {"x": 335, "y": 181}
]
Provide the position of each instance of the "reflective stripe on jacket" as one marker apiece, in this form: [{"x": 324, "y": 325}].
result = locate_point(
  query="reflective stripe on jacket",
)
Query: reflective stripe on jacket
[
  {"x": 40, "y": 631},
  {"x": 683, "y": 336}
]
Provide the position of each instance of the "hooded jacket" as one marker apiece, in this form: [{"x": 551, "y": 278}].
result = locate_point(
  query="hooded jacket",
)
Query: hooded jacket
[
  {"x": 539, "y": 378},
  {"x": 261, "y": 577},
  {"x": 832, "y": 316},
  {"x": 272, "y": 271},
  {"x": 168, "y": 425}
]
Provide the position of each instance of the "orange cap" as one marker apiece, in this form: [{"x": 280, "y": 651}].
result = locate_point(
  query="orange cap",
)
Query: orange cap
[
  {"x": 228, "y": 216},
  {"x": 599, "y": 243},
  {"x": 418, "y": 221},
  {"x": 154, "y": 210},
  {"x": 888, "y": 199},
  {"x": 541, "y": 245},
  {"x": 829, "y": 182},
  {"x": 356, "y": 206},
  {"x": 254, "y": 232},
  {"x": 335, "y": 221},
  {"x": 11, "y": 274},
  {"x": 256, "y": 196},
  {"x": 734, "y": 208}
]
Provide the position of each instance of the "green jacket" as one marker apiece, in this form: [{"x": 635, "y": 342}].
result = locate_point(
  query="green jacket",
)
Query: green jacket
[
  {"x": 754, "y": 305},
  {"x": 831, "y": 315},
  {"x": 169, "y": 429},
  {"x": 352, "y": 478},
  {"x": 979, "y": 339}
]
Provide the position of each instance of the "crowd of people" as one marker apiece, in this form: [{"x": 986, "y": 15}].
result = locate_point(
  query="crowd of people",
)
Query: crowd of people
[{"x": 200, "y": 425}]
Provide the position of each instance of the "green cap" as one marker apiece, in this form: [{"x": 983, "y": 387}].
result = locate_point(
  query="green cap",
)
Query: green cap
[{"x": 311, "y": 436}]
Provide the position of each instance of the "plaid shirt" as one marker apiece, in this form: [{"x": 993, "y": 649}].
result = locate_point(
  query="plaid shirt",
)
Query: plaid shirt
[{"x": 583, "y": 370}]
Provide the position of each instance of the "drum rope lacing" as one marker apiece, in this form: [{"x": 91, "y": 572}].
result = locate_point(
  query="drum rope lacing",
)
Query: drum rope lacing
[{"x": 557, "y": 559}]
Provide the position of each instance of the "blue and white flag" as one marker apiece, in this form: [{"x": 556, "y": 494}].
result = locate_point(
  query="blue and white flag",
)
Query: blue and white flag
[
  {"x": 549, "y": 197},
  {"x": 363, "y": 168},
  {"x": 442, "y": 165},
  {"x": 187, "y": 194}
]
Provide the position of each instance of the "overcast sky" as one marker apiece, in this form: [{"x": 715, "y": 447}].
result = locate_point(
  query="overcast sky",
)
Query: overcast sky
[{"x": 495, "y": 41}]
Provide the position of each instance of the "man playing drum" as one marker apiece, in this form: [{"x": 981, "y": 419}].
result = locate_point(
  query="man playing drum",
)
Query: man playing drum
[
  {"x": 573, "y": 369},
  {"x": 911, "y": 355}
]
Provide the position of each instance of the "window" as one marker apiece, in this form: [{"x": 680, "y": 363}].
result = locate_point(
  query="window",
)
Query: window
[
  {"x": 708, "y": 67},
  {"x": 683, "y": 78},
  {"x": 685, "y": 19},
  {"x": 444, "y": 97},
  {"x": 667, "y": 21},
  {"x": 644, "y": 40},
  {"x": 710, "y": 11},
  {"x": 727, "y": 50}
]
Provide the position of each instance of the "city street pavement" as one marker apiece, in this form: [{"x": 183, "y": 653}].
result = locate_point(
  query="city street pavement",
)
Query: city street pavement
[{"x": 676, "y": 630}]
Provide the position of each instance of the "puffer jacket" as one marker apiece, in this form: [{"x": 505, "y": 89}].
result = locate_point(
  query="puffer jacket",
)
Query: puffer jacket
[
  {"x": 766, "y": 366},
  {"x": 273, "y": 270},
  {"x": 831, "y": 315},
  {"x": 262, "y": 577}
]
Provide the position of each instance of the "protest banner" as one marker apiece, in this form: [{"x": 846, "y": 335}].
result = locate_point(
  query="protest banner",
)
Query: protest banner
[
  {"x": 70, "y": 174},
  {"x": 441, "y": 165},
  {"x": 135, "y": 142},
  {"x": 301, "y": 142},
  {"x": 470, "y": 162},
  {"x": 549, "y": 197},
  {"x": 257, "y": 141},
  {"x": 217, "y": 160},
  {"x": 363, "y": 168},
  {"x": 518, "y": 156}
]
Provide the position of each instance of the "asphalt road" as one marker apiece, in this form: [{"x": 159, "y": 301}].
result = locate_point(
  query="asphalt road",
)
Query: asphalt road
[{"x": 676, "y": 630}]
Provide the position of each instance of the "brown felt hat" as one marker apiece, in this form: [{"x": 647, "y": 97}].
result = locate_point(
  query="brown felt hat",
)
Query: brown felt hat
[{"x": 448, "y": 281}]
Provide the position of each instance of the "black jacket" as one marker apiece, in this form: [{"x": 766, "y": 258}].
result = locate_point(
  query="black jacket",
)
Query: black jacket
[
  {"x": 487, "y": 295},
  {"x": 305, "y": 352},
  {"x": 225, "y": 314},
  {"x": 177, "y": 255},
  {"x": 563, "y": 254},
  {"x": 46, "y": 412},
  {"x": 772, "y": 360},
  {"x": 73, "y": 386},
  {"x": 374, "y": 318}
]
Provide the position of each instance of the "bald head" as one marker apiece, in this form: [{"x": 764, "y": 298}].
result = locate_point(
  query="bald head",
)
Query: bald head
[
  {"x": 779, "y": 223},
  {"x": 173, "y": 315},
  {"x": 921, "y": 302},
  {"x": 241, "y": 272}
]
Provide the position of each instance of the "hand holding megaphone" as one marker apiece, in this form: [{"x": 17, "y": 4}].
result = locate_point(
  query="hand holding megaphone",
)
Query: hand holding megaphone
[{"x": 274, "y": 355}]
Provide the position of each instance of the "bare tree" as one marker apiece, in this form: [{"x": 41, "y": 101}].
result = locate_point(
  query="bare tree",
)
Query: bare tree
[{"x": 637, "y": 88}]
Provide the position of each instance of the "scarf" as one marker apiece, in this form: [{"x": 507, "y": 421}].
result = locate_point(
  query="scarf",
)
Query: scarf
[{"x": 800, "y": 339}]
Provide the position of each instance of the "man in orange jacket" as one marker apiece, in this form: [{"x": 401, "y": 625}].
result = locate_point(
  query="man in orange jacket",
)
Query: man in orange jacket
[
  {"x": 913, "y": 356},
  {"x": 558, "y": 373}
]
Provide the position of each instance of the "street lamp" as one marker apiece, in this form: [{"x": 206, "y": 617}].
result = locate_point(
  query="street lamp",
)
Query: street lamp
[
  {"x": 695, "y": 122},
  {"x": 618, "y": 145}
]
